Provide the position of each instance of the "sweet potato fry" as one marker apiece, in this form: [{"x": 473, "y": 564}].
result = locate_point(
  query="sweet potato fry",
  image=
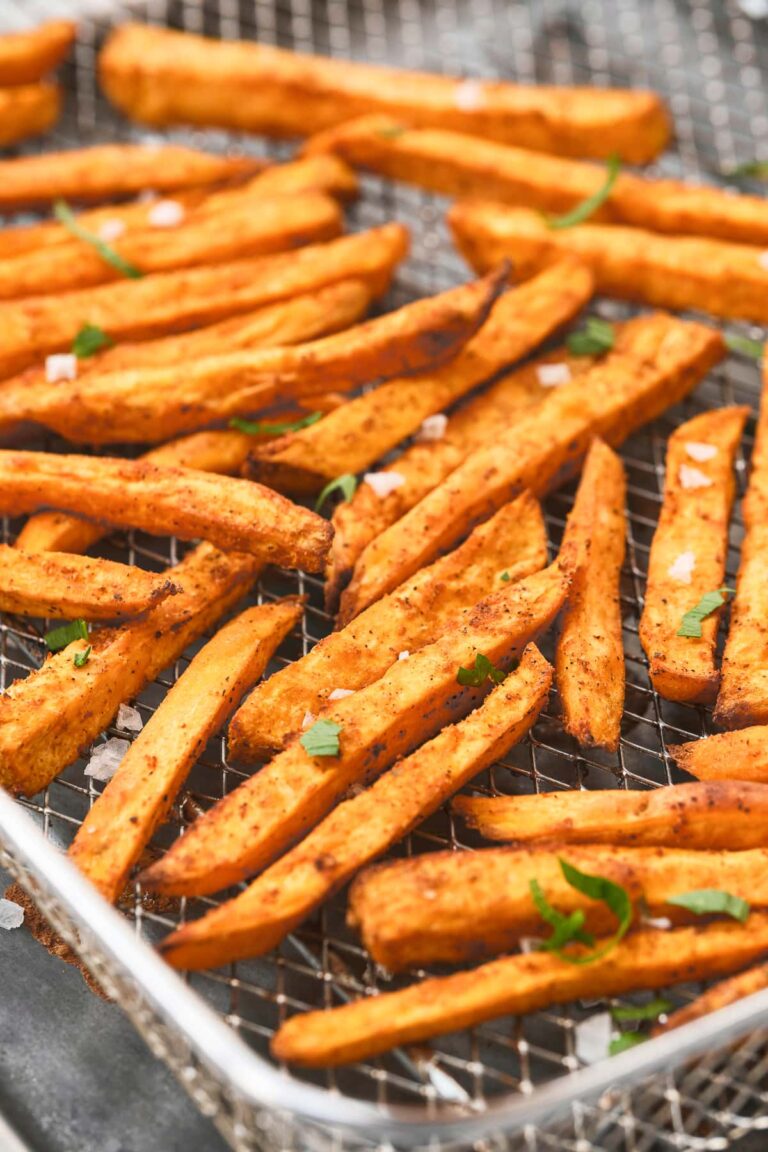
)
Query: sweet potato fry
[
  {"x": 688, "y": 553},
  {"x": 362, "y": 828},
  {"x": 457, "y": 907},
  {"x": 460, "y": 165},
  {"x": 719, "y": 996},
  {"x": 68, "y": 587},
  {"x": 151, "y": 404},
  {"x": 590, "y": 651},
  {"x": 26, "y": 111},
  {"x": 513, "y": 544},
  {"x": 515, "y": 985},
  {"x": 119, "y": 825},
  {"x": 48, "y": 718},
  {"x": 183, "y": 502},
  {"x": 161, "y": 77},
  {"x": 253, "y": 228},
  {"x": 660, "y": 361},
  {"x": 711, "y": 816},
  {"x": 29, "y": 56},
  {"x": 172, "y": 301},
  {"x": 112, "y": 170},
  {"x": 741, "y": 755},
  {"x": 415, "y": 698},
  {"x": 367, "y": 428},
  {"x": 743, "y": 695},
  {"x": 677, "y": 272}
]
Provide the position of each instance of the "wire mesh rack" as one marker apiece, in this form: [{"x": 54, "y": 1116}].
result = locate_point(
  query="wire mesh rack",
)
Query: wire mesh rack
[{"x": 514, "y": 1083}]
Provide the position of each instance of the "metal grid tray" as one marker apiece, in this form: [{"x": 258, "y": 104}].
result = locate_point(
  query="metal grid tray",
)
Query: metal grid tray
[{"x": 512, "y": 1083}]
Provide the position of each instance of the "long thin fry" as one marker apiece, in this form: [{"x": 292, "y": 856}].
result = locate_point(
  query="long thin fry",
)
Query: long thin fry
[
  {"x": 741, "y": 755},
  {"x": 25, "y": 112},
  {"x": 29, "y": 56},
  {"x": 720, "y": 996}
]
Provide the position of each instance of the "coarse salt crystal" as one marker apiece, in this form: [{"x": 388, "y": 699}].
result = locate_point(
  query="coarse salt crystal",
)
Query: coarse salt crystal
[
  {"x": 60, "y": 366},
  {"x": 166, "y": 214},
  {"x": 111, "y": 230},
  {"x": 384, "y": 482},
  {"x": 309, "y": 719},
  {"x": 148, "y": 196},
  {"x": 11, "y": 914},
  {"x": 530, "y": 943},
  {"x": 128, "y": 719},
  {"x": 592, "y": 1037},
  {"x": 403, "y": 655},
  {"x": 553, "y": 375},
  {"x": 469, "y": 96},
  {"x": 341, "y": 693},
  {"x": 682, "y": 568},
  {"x": 661, "y": 923},
  {"x": 433, "y": 428},
  {"x": 700, "y": 452},
  {"x": 106, "y": 759},
  {"x": 693, "y": 477}
]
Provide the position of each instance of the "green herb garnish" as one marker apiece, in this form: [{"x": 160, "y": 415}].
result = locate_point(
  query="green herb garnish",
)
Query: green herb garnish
[
  {"x": 600, "y": 888},
  {"x": 257, "y": 428},
  {"x": 82, "y": 658},
  {"x": 89, "y": 340},
  {"x": 322, "y": 739},
  {"x": 480, "y": 671},
  {"x": 590, "y": 205},
  {"x": 505, "y": 576},
  {"x": 66, "y": 216},
  {"x": 566, "y": 928},
  {"x": 690, "y": 625},
  {"x": 58, "y": 638},
  {"x": 712, "y": 901},
  {"x": 624, "y": 1041},
  {"x": 345, "y": 484},
  {"x": 744, "y": 346},
  {"x": 650, "y": 1011},
  {"x": 596, "y": 337},
  {"x": 752, "y": 169}
]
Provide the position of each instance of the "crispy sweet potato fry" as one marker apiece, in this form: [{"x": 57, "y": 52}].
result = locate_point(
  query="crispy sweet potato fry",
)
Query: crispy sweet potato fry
[
  {"x": 719, "y": 996},
  {"x": 252, "y": 228},
  {"x": 741, "y": 755},
  {"x": 717, "y": 815},
  {"x": 461, "y": 165},
  {"x": 29, "y": 56},
  {"x": 515, "y": 985},
  {"x": 48, "y": 718},
  {"x": 362, "y": 828},
  {"x": 151, "y": 404},
  {"x": 590, "y": 652},
  {"x": 688, "y": 553},
  {"x": 183, "y": 502},
  {"x": 171, "y": 301},
  {"x": 367, "y": 428},
  {"x": 414, "y": 699},
  {"x": 111, "y": 170},
  {"x": 161, "y": 77},
  {"x": 512, "y": 543},
  {"x": 26, "y": 111},
  {"x": 118, "y": 826},
  {"x": 677, "y": 272},
  {"x": 659, "y": 362},
  {"x": 68, "y": 587},
  {"x": 461, "y": 906}
]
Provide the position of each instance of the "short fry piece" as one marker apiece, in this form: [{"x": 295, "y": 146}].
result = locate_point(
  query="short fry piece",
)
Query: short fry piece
[
  {"x": 711, "y": 816},
  {"x": 590, "y": 652},
  {"x": 676, "y": 272},
  {"x": 138, "y": 797},
  {"x": 362, "y": 828},
  {"x": 24, "y": 112},
  {"x": 741, "y": 755},
  {"x": 688, "y": 553},
  {"x": 68, "y": 587},
  {"x": 719, "y": 996},
  {"x": 512, "y": 543},
  {"x": 455, "y": 907},
  {"x": 252, "y": 825},
  {"x": 29, "y": 56},
  {"x": 516, "y": 985}
]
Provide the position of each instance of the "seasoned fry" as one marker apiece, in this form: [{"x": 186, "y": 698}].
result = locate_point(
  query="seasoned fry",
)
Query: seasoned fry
[
  {"x": 661, "y": 359},
  {"x": 29, "y": 56},
  {"x": 718, "y": 815},
  {"x": 512, "y": 543},
  {"x": 183, "y": 502},
  {"x": 367, "y": 428},
  {"x": 161, "y": 77},
  {"x": 111, "y": 170},
  {"x": 515, "y": 985},
  {"x": 688, "y": 553},
  {"x": 457, "y": 907},
  {"x": 151, "y": 404},
  {"x": 362, "y": 828},
  {"x": 252, "y": 229},
  {"x": 719, "y": 996},
  {"x": 118, "y": 827},
  {"x": 48, "y": 718},
  {"x": 590, "y": 652},
  {"x": 743, "y": 695},
  {"x": 170, "y": 301},
  {"x": 415, "y": 698},
  {"x": 24, "y": 112},
  {"x": 741, "y": 755},
  {"x": 677, "y": 272},
  {"x": 68, "y": 587},
  {"x": 460, "y": 165}
]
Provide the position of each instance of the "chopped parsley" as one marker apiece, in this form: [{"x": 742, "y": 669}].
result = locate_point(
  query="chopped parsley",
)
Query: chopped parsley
[
  {"x": 590, "y": 205},
  {"x": 345, "y": 484},
  {"x": 82, "y": 658},
  {"x": 89, "y": 340},
  {"x": 505, "y": 576},
  {"x": 322, "y": 739},
  {"x": 690, "y": 625},
  {"x": 481, "y": 670},
  {"x": 596, "y": 337},
  {"x": 711, "y": 902},
  {"x": 624, "y": 1041},
  {"x": 66, "y": 216},
  {"x": 257, "y": 428},
  {"x": 751, "y": 170},
  {"x": 59, "y": 638},
  {"x": 743, "y": 346},
  {"x": 568, "y": 929}
]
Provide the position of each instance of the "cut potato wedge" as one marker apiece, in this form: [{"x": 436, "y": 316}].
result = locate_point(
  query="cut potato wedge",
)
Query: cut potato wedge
[
  {"x": 27, "y": 111},
  {"x": 741, "y": 755},
  {"x": 29, "y": 56},
  {"x": 719, "y": 996}
]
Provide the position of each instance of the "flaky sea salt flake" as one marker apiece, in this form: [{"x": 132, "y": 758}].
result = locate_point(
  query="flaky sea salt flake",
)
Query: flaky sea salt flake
[{"x": 106, "y": 759}]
